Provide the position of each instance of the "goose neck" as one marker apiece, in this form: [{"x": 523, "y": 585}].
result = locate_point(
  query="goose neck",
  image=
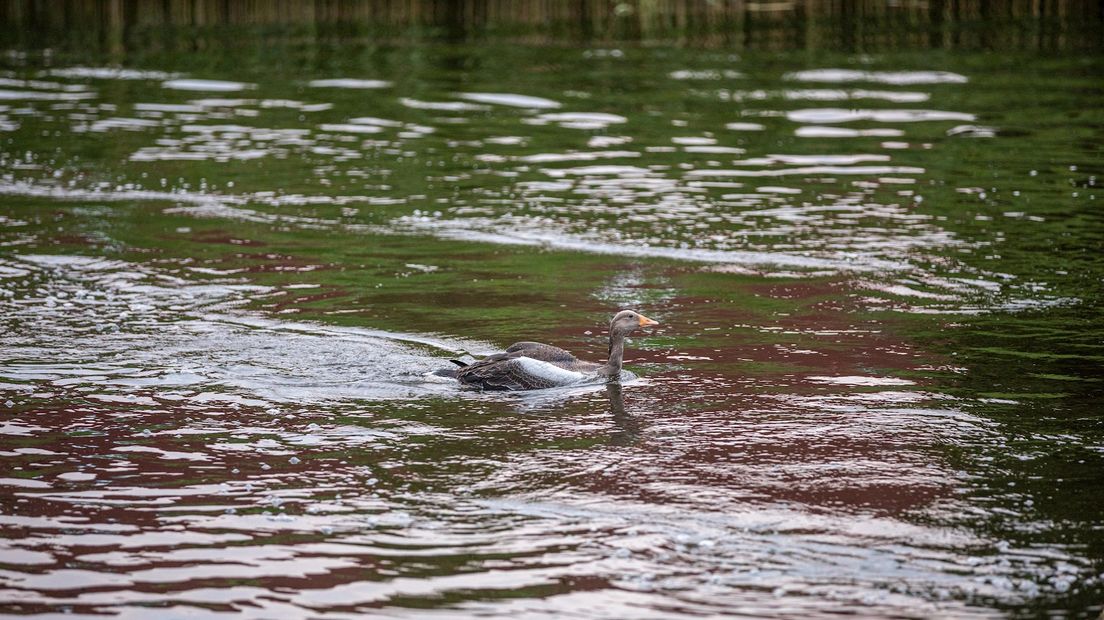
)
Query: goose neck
[{"x": 616, "y": 354}]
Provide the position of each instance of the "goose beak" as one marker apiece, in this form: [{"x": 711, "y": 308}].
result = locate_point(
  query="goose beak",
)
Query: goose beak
[{"x": 645, "y": 321}]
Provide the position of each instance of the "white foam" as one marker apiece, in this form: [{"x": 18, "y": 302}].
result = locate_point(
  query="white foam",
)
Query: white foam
[
  {"x": 213, "y": 86},
  {"x": 34, "y": 95},
  {"x": 844, "y": 115},
  {"x": 350, "y": 128},
  {"x": 884, "y": 77},
  {"x": 349, "y": 83},
  {"x": 510, "y": 99},
  {"x": 444, "y": 106},
  {"x": 111, "y": 73}
]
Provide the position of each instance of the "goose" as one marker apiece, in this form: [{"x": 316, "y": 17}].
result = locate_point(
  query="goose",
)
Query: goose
[{"x": 534, "y": 365}]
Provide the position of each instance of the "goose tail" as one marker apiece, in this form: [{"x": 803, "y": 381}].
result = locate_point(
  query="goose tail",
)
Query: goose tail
[{"x": 451, "y": 373}]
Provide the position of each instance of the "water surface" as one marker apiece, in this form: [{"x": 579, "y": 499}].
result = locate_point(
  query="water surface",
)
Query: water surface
[{"x": 227, "y": 275}]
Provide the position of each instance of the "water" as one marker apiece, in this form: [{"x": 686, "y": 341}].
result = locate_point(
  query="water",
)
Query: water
[{"x": 227, "y": 275}]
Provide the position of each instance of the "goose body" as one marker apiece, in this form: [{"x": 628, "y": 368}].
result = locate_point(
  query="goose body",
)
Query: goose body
[{"x": 534, "y": 365}]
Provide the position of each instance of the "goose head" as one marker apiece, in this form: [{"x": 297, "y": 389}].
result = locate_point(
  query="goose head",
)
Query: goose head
[{"x": 626, "y": 321}]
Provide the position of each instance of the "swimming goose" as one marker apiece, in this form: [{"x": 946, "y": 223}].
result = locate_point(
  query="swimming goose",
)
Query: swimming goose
[{"x": 534, "y": 366}]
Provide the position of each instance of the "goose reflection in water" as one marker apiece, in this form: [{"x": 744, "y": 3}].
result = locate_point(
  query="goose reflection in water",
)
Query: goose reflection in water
[{"x": 628, "y": 427}]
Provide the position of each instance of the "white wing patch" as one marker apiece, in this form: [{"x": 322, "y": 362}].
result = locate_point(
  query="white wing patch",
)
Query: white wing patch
[{"x": 549, "y": 372}]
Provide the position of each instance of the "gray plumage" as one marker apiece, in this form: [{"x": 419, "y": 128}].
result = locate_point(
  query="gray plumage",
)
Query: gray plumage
[{"x": 551, "y": 354}]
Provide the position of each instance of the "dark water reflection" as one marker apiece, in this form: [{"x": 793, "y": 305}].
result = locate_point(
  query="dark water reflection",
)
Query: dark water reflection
[
  {"x": 129, "y": 26},
  {"x": 226, "y": 279}
]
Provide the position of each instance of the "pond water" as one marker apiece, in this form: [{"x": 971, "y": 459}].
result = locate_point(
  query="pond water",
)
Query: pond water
[{"x": 231, "y": 256}]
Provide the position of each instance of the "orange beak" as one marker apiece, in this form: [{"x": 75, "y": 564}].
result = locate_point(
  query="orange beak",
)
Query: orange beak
[{"x": 645, "y": 321}]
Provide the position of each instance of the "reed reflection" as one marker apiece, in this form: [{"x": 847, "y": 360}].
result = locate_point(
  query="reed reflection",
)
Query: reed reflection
[{"x": 122, "y": 26}]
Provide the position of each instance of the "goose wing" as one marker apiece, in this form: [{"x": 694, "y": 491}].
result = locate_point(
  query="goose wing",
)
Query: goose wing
[
  {"x": 543, "y": 352},
  {"x": 552, "y": 355},
  {"x": 515, "y": 371}
]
